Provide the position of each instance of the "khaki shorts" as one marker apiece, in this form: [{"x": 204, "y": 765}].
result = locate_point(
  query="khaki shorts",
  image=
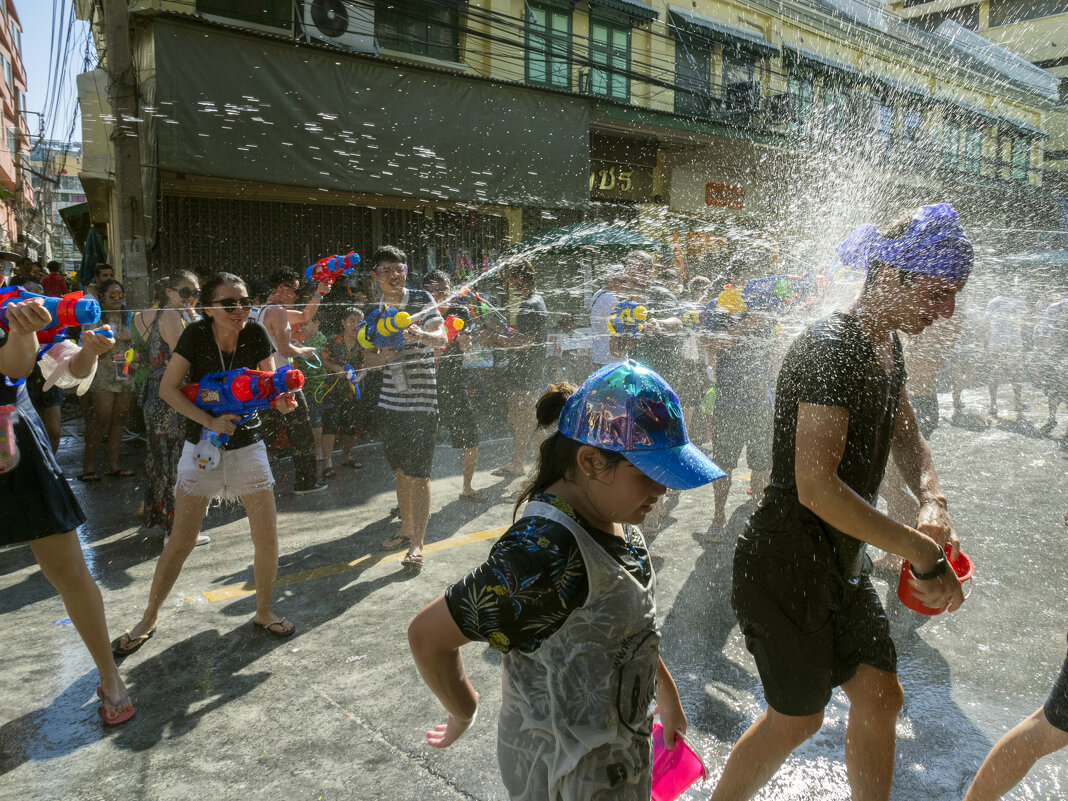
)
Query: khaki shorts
[{"x": 243, "y": 471}]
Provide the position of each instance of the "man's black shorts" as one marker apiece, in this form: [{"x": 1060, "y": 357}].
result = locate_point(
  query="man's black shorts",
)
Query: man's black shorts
[
  {"x": 456, "y": 414},
  {"x": 408, "y": 439},
  {"x": 807, "y": 629},
  {"x": 1056, "y": 707},
  {"x": 733, "y": 429}
]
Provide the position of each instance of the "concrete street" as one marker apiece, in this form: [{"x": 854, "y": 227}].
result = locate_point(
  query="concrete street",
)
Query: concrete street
[{"x": 339, "y": 711}]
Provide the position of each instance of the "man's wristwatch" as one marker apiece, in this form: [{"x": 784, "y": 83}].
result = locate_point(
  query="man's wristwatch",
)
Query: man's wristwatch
[{"x": 939, "y": 568}]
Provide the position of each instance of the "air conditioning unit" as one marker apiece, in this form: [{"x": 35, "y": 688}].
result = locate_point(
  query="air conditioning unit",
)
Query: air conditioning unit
[
  {"x": 348, "y": 24},
  {"x": 744, "y": 95}
]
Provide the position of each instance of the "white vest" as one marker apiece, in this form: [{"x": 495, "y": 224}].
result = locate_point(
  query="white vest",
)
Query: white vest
[{"x": 577, "y": 713}]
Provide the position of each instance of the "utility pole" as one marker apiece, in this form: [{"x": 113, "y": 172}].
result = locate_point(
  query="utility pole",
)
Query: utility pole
[{"x": 129, "y": 229}]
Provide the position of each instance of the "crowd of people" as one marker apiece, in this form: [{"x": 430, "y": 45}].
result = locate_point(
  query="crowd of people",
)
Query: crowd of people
[{"x": 828, "y": 417}]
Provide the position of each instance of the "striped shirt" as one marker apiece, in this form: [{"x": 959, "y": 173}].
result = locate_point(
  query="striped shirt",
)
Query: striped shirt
[{"x": 415, "y": 368}]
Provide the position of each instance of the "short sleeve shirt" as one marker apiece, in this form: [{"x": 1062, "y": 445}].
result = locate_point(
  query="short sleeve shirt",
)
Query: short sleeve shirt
[
  {"x": 451, "y": 361},
  {"x": 1005, "y": 315},
  {"x": 527, "y": 364},
  {"x": 416, "y": 361},
  {"x": 603, "y": 305},
  {"x": 197, "y": 345},
  {"x": 534, "y": 578},
  {"x": 660, "y": 351},
  {"x": 743, "y": 368},
  {"x": 832, "y": 364}
]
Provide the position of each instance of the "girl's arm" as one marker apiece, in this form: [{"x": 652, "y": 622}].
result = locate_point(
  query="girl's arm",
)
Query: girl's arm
[
  {"x": 24, "y": 320},
  {"x": 672, "y": 718},
  {"x": 435, "y": 640}
]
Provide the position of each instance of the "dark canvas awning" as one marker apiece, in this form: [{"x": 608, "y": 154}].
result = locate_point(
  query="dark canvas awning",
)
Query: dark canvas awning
[
  {"x": 248, "y": 108},
  {"x": 817, "y": 62},
  {"x": 637, "y": 11},
  {"x": 717, "y": 31}
]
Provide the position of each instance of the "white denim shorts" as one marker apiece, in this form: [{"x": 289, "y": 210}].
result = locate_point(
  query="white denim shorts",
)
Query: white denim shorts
[{"x": 240, "y": 472}]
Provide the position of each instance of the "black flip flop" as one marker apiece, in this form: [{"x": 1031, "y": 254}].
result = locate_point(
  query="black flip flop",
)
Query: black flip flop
[
  {"x": 282, "y": 634},
  {"x": 118, "y": 650}
]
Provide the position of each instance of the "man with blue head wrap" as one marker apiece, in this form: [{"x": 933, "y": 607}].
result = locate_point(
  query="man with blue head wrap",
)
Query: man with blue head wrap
[{"x": 802, "y": 594}]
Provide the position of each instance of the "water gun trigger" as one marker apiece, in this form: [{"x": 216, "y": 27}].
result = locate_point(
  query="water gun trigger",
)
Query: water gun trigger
[{"x": 128, "y": 358}]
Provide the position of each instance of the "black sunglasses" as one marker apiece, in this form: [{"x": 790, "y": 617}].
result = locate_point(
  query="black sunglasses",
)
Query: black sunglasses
[
  {"x": 230, "y": 304},
  {"x": 185, "y": 293}
]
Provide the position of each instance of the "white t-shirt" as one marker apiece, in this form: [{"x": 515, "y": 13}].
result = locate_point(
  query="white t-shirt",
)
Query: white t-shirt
[
  {"x": 1005, "y": 315},
  {"x": 604, "y": 303}
]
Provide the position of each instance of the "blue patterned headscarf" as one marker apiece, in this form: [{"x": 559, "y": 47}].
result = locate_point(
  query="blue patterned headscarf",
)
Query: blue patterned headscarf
[{"x": 934, "y": 243}]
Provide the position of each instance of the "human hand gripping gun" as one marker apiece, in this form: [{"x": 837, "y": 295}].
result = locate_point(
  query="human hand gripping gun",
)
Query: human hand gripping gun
[
  {"x": 628, "y": 319},
  {"x": 238, "y": 392},
  {"x": 71, "y": 309},
  {"x": 328, "y": 270},
  {"x": 383, "y": 328},
  {"x": 485, "y": 313}
]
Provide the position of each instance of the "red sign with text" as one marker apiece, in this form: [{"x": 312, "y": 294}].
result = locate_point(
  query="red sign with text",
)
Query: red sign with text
[{"x": 727, "y": 196}]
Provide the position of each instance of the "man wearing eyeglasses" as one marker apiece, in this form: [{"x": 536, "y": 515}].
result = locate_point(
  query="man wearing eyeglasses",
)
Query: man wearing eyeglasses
[
  {"x": 408, "y": 404},
  {"x": 278, "y": 316}
]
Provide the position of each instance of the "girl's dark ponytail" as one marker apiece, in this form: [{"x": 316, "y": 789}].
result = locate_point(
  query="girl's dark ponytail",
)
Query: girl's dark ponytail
[{"x": 556, "y": 457}]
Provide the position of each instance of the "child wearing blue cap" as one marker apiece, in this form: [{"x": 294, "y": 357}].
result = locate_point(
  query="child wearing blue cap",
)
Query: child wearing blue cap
[
  {"x": 810, "y": 615},
  {"x": 567, "y": 595}
]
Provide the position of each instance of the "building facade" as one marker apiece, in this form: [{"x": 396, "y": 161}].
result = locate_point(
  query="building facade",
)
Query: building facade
[
  {"x": 1035, "y": 30},
  {"x": 16, "y": 193},
  {"x": 270, "y": 136},
  {"x": 54, "y": 178}
]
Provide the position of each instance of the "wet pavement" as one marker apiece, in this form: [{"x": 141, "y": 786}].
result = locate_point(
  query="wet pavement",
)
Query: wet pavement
[{"x": 339, "y": 710}]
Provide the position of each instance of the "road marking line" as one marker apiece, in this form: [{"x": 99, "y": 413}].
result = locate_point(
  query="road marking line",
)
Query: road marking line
[{"x": 356, "y": 565}]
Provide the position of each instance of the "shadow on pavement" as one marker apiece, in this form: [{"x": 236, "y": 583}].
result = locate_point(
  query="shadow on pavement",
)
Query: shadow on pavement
[{"x": 696, "y": 631}]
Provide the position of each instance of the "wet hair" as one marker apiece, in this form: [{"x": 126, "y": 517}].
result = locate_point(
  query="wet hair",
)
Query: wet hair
[
  {"x": 347, "y": 310},
  {"x": 523, "y": 271},
  {"x": 669, "y": 276},
  {"x": 437, "y": 277},
  {"x": 557, "y": 455},
  {"x": 207, "y": 290},
  {"x": 258, "y": 290},
  {"x": 699, "y": 283},
  {"x": 284, "y": 275},
  {"x": 388, "y": 253},
  {"x": 105, "y": 287},
  {"x": 159, "y": 289}
]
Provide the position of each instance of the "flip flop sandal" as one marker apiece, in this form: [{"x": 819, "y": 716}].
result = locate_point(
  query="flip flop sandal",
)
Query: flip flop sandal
[
  {"x": 132, "y": 644},
  {"x": 393, "y": 543},
  {"x": 413, "y": 561},
  {"x": 474, "y": 497},
  {"x": 118, "y": 717},
  {"x": 352, "y": 464},
  {"x": 87, "y": 477},
  {"x": 503, "y": 472},
  {"x": 330, "y": 473},
  {"x": 280, "y": 633},
  {"x": 120, "y": 473}
]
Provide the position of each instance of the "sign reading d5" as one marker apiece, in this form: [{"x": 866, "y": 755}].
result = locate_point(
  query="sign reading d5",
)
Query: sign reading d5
[{"x": 727, "y": 196}]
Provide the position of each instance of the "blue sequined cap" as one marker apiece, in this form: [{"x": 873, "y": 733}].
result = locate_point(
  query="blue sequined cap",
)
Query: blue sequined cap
[{"x": 629, "y": 409}]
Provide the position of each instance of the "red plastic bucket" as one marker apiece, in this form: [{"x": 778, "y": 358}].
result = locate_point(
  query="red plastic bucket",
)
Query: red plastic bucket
[
  {"x": 676, "y": 769},
  {"x": 962, "y": 566}
]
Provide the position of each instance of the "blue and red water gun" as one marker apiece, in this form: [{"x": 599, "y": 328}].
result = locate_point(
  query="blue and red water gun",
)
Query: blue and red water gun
[
  {"x": 328, "y": 270},
  {"x": 383, "y": 328},
  {"x": 240, "y": 391},
  {"x": 71, "y": 309}
]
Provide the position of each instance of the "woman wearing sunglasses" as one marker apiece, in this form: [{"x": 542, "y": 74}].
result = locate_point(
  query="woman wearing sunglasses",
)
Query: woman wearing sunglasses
[
  {"x": 112, "y": 388},
  {"x": 223, "y": 340},
  {"x": 158, "y": 330}
]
